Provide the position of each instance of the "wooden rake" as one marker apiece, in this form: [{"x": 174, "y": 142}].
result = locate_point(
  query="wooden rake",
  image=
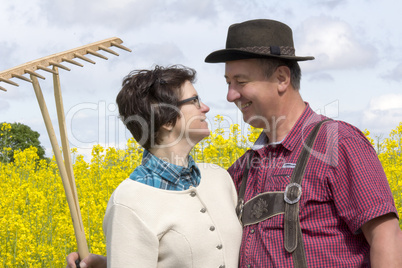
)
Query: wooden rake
[{"x": 65, "y": 167}]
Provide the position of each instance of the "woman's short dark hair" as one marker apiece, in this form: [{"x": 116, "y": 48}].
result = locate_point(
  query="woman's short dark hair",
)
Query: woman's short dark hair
[{"x": 148, "y": 100}]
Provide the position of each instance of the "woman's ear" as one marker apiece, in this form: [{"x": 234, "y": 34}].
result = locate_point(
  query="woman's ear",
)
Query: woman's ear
[
  {"x": 283, "y": 76},
  {"x": 168, "y": 127}
]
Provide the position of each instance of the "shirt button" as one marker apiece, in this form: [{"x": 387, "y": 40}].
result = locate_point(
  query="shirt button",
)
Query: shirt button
[
  {"x": 191, "y": 169},
  {"x": 252, "y": 231},
  {"x": 219, "y": 246},
  {"x": 193, "y": 194},
  {"x": 203, "y": 210},
  {"x": 248, "y": 265},
  {"x": 212, "y": 228}
]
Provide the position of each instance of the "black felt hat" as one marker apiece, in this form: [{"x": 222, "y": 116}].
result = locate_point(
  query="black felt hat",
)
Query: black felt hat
[{"x": 257, "y": 39}]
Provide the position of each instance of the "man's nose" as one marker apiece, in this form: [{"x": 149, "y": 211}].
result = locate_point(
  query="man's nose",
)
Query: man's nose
[{"x": 232, "y": 95}]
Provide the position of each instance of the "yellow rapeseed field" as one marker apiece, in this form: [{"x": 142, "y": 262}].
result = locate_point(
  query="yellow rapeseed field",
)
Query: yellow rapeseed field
[{"x": 36, "y": 228}]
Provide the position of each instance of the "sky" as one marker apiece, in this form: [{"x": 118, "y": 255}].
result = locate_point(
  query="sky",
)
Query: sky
[{"x": 356, "y": 75}]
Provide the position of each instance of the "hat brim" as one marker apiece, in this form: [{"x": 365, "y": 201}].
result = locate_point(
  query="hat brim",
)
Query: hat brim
[{"x": 225, "y": 55}]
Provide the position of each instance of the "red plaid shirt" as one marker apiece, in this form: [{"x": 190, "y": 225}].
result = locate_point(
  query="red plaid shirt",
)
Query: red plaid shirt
[{"x": 344, "y": 187}]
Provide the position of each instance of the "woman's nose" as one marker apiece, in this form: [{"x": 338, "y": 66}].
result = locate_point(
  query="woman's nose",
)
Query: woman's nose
[{"x": 204, "y": 108}]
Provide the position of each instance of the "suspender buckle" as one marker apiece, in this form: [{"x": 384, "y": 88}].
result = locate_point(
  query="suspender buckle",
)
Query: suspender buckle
[{"x": 292, "y": 193}]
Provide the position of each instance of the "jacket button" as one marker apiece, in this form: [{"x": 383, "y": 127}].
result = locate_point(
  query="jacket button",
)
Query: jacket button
[
  {"x": 203, "y": 210},
  {"x": 221, "y": 266},
  {"x": 219, "y": 246},
  {"x": 212, "y": 228},
  {"x": 193, "y": 194}
]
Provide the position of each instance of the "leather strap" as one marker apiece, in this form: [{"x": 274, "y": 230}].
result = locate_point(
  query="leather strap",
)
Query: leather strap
[
  {"x": 270, "y": 204},
  {"x": 262, "y": 207},
  {"x": 242, "y": 190},
  {"x": 293, "y": 240}
]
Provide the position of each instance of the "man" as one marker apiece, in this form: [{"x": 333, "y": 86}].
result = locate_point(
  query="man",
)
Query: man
[
  {"x": 341, "y": 213},
  {"x": 346, "y": 213}
]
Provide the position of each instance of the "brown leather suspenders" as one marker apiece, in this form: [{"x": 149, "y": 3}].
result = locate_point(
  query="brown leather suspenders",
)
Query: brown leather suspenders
[{"x": 270, "y": 204}]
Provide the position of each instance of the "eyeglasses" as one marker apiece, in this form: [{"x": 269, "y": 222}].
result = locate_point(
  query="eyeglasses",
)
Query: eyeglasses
[{"x": 196, "y": 100}]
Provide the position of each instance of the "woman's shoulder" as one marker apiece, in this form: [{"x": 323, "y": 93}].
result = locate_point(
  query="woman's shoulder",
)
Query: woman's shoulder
[
  {"x": 130, "y": 189},
  {"x": 214, "y": 173},
  {"x": 211, "y": 168}
]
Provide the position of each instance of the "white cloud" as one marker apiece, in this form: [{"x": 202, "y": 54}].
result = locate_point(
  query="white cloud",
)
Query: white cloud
[
  {"x": 334, "y": 44},
  {"x": 185, "y": 31},
  {"x": 394, "y": 74},
  {"x": 126, "y": 14},
  {"x": 330, "y": 4},
  {"x": 321, "y": 77},
  {"x": 4, "y": 105},
  {"x": 383, "y": 114},
  {"x": 387, "y": 102},
  {"x": 160, "y": 53}
]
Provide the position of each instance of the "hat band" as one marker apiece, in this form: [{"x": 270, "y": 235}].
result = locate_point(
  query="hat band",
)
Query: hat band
[{"x": 272, "y": 50}]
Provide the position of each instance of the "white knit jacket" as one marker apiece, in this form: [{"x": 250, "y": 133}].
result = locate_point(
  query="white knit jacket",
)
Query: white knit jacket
[{"x": 150, "y": 227}]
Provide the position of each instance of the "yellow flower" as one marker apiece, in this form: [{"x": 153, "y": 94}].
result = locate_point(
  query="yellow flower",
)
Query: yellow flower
[{"x": 36, "y": 225}]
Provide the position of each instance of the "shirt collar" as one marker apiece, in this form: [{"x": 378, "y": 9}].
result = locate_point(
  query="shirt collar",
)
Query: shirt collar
[
  {"x": 306, "y": 118},
  {"x": 168, "y": 171}
]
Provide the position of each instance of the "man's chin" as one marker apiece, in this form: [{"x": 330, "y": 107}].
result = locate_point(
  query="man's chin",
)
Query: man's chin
[{"x": 255, "y": 122}]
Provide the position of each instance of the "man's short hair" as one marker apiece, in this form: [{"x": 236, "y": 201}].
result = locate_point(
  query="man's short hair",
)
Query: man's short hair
[{"x": 270, "y": 65}]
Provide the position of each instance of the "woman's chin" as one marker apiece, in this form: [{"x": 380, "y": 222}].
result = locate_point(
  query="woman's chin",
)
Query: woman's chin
[{"x": 199, "y": 136}]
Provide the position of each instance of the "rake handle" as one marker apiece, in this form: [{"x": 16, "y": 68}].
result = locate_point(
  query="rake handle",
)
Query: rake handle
[{"x": 71, "y": 198}]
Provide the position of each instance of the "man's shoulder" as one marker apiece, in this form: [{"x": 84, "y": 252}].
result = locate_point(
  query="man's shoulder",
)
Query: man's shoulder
[
  {"x": 343, "y": 130},
  {"x": 343, "y": 138}
]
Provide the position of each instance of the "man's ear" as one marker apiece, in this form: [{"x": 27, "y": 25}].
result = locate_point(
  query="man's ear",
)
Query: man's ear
[{"x": 283, "y": 76}]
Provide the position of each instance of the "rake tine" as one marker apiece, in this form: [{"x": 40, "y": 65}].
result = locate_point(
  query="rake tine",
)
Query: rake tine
[
  {"x": 58, "y": 59},
  {"x": 108, "y": 50},
  {"x": 84, "y": 58},
  {"x": 9, "y": 82},
  {"x": 120, "y": 46},
  {"x": 72, "y": 62},
  {"x": 90, "y": 51},
  {"x": 46, "y": 69},
  {"x": 21, "y": 77},
  {"x": 59, "y": 65},
  {"x": 33, "y": 73},
  {"x": 2, "y": 88}
]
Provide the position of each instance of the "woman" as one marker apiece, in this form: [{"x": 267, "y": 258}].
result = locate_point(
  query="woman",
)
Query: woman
[{"x": 171, "y": 212}]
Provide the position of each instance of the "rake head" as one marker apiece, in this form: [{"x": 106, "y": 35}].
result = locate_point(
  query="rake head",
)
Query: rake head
[{"x": 56, "y": 60}]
